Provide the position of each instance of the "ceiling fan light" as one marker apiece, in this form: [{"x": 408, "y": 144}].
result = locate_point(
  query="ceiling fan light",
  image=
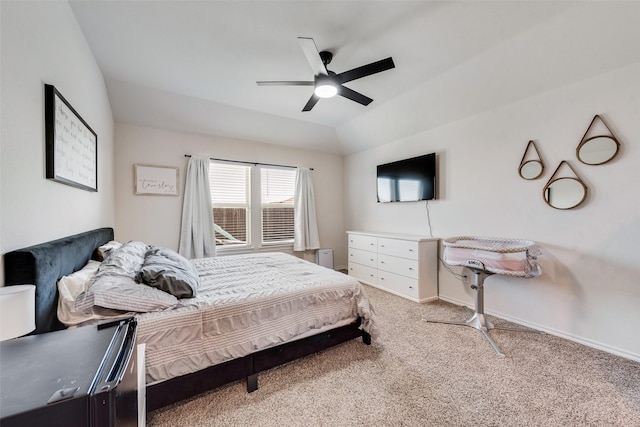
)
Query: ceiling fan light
[{"x": 325, "y": 90}]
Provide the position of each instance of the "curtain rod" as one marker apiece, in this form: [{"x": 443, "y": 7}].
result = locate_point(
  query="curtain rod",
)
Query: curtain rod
[{"x": 250, "y": 163}]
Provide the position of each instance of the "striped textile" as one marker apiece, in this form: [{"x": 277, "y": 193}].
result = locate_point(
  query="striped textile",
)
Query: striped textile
[{"x": 247, "y": 303}]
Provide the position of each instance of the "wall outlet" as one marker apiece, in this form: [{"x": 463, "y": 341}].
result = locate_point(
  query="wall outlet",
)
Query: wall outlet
[{"x": 466, "y": 276}]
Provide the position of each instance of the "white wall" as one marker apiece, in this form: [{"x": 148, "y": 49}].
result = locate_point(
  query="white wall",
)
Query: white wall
[
  {"x": 42, "y": 43},
  {"x": 156, "y": 219},
  {"x": 589, "y": 289}
]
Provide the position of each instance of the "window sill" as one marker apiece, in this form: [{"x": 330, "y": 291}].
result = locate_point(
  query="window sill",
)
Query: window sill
[{"x": 274, "y": 247}]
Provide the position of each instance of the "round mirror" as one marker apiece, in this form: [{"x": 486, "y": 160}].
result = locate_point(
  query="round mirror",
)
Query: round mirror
[
  {"x": 597, "y": 150},
  {"x": 565, "y": 193},
  {"x": 532, "y": 169}
]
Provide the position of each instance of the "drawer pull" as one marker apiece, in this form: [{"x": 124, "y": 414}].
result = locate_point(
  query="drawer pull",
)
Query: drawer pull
[
  {"x": 410, "y": 250},
  {"x": 381, "y": 262},
  {"x": 382, "y": 246},
  {"x": 410, "y": 268}
]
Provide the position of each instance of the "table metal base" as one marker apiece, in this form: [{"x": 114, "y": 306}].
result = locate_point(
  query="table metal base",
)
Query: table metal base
[{"x": 478, "y": 319}]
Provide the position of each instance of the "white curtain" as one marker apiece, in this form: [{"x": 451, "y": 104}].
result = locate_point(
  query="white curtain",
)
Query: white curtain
[
  {"x": 197, "y": 239},
  {"x": 305, "y": 226}
]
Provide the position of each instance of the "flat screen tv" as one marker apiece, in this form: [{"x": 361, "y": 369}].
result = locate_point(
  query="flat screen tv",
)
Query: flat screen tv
[{"x": 408, "y": 180}]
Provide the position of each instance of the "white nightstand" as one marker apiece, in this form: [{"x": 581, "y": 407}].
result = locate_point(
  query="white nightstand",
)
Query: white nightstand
[{"x": 17, "y": 311}]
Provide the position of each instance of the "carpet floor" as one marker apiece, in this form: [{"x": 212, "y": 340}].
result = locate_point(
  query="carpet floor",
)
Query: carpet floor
[{"x": 427, "y": 374}]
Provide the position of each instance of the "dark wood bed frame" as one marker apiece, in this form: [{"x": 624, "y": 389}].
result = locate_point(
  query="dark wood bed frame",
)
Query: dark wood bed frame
[{"x": 44, "y": 264}]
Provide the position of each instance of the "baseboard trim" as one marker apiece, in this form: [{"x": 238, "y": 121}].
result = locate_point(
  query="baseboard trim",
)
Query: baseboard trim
[
  {"x": 405, "y": 296},
  {"x": 552, "y": 331}
]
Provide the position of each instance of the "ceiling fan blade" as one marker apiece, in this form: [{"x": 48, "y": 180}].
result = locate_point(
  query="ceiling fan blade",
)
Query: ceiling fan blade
[
  {"x": 366, "y": 70},
  {"x": 354, "y": 96},
  {"x": 284, "y": 83},
  {"x": 313, "y": 56},
  {"x": 311, "y": 102}
]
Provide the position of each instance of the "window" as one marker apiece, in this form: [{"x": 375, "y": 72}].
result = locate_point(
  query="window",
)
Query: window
[
  {"x": 277, "y": 190},
  {"x": 252, "y": 205},
  {"x": 231, "y": 202}
]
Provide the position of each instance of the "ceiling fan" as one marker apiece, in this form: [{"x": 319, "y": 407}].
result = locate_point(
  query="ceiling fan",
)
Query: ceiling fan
[{"x": 326, "y": 83}]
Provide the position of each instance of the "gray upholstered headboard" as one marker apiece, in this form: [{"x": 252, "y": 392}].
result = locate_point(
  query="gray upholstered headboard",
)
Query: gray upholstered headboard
[{"x": 44, "y": 264}]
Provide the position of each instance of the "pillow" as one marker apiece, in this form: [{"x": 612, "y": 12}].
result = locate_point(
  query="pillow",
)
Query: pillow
[
  {"x": 102, "y": 252},
  {"x": 114, "y": 285},
  {"x": 69, "y": 287},
  {"x": 170, "y": 272},
  {"x": 125, "y": 260},
  {"x": 123, "y": 293}
]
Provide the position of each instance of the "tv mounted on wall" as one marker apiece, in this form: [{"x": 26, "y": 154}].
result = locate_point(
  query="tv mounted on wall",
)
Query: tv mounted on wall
[{"x": 408, "y": 180}]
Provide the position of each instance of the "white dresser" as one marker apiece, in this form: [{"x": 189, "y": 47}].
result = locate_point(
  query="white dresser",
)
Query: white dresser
[{"x": 404, "y": 265}]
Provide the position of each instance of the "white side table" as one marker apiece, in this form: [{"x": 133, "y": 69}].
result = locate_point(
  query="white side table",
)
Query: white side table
[{"x": 17, "y": 311}]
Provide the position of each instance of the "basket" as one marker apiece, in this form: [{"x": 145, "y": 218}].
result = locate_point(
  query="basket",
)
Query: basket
[{"x": 512, "y": 257}]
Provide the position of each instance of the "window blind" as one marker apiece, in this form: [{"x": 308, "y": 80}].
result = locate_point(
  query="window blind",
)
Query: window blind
[
  {"x": 230, "y": 199},
  {"x": 277, "y": 193}
]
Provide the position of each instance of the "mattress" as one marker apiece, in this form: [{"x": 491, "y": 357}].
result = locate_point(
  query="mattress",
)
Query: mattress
[
  {"x": 246, "y": 303},
  {"x": 500, "y": 256}
]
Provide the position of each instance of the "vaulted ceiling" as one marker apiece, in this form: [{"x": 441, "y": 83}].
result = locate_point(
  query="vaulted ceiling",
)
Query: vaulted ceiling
[{"x": 193, "y": 65}]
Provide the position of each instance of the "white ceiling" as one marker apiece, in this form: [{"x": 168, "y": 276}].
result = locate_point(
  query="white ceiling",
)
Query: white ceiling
[{"x": 193, "y": 66}]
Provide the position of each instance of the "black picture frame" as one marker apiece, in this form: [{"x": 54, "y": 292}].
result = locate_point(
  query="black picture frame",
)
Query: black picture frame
[{"x": 71, "y": 145}]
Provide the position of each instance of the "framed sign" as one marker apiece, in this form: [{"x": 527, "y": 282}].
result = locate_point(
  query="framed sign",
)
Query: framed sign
[
  {"x": 155, "y": 180},
  {"x": 71, "y": 145}
]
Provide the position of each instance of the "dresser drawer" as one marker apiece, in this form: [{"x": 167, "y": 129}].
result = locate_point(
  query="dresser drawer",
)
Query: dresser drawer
[
  {"x": 363, "y": 257},
  {"x": 402, "y": 266},
  {"x": 363, "y": 272},
  {"x": 399, "y": 284},
  {"x": 367, "y": 243},
  {"x": 399, "y": 248}
]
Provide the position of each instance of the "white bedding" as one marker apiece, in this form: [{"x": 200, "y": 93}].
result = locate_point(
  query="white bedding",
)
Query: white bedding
[
  {"x": 247, "y": 303},
  {"x": 70, "y": 287},
  {"x": 500, "y": 256}
]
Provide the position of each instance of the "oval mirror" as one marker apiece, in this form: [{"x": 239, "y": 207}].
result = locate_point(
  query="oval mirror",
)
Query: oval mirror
[
  {"x": 531, "y": 169},
  {"x": 597, "y": 150},
  {"x": 565, "y": 193}
]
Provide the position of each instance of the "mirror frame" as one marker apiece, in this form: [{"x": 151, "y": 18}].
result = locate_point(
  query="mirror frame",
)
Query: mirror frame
[
  {"x": 538, "y": 160},
  {"x": 548, "y": 187},
  {"x": 522, "y": 165},
  {"x": 584, "y": 141},
  {"x": 552, "y": 180}
]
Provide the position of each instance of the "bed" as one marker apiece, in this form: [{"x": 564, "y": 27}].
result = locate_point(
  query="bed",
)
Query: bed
[
  {"x": 483, "y": 257},
  {"x": 214, "y": 353},
  {"x": 511, "y": 257}
]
